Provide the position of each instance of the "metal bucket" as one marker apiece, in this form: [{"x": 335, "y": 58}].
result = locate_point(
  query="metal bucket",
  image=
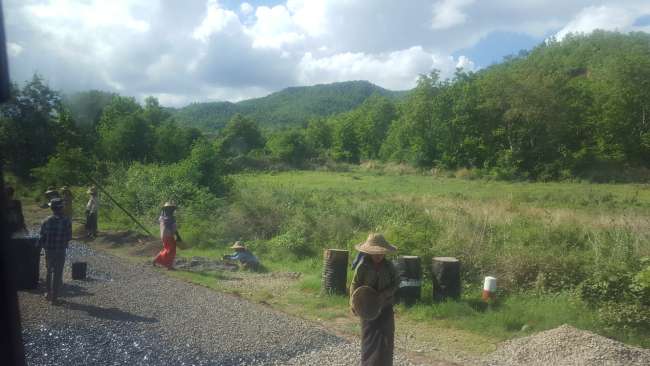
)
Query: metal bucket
[{"x": 335, "y": 271}]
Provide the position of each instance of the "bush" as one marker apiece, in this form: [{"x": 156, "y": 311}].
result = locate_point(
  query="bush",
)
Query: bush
[
  {"x": 66, "y": 167},
  {"x": 625, "y": 315}
]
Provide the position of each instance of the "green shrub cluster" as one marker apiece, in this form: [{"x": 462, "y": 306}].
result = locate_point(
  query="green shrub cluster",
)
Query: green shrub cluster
[{"x": 621, "y": 295}]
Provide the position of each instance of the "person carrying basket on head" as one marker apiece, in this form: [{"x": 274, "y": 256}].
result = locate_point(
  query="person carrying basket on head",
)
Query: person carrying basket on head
[{"x": 169, "y": 235}]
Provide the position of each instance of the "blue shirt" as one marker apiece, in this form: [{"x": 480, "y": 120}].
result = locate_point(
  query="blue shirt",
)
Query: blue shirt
[
  {"x": 56, "y": 232},
  {"x": 244, "y": 257}
]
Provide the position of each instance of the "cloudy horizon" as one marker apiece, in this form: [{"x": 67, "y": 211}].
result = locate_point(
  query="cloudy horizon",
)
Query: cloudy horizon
[{"x": 207, "y": 50}]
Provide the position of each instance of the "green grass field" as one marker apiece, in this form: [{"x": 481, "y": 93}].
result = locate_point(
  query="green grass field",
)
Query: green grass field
[{"x": 543, "y": 242}]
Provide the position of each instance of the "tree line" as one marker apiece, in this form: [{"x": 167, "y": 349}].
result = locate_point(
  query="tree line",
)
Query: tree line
[{"x": 563, "y": 109}]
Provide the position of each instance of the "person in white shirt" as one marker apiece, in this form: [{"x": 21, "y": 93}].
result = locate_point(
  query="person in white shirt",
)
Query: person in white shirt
[{"x": 91, "y": 213}]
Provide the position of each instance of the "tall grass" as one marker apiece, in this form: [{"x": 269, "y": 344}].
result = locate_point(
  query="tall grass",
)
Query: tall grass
[{"x": 541, "y": 240}]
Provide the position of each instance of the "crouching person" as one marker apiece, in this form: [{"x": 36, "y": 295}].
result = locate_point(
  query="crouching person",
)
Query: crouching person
[
  {"x": 244, "y": 256},
  {"x": 56, "y": 232}
]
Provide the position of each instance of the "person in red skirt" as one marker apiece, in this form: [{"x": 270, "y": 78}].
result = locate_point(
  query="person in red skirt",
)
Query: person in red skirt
[{"x": 169, "y": 235}]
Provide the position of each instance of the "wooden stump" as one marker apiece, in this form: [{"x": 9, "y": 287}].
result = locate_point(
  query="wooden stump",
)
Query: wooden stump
[
  {"x": 79, "y": 270},
  {"x": 446, "y": 278},
  {"x": 335, "y": 271}
]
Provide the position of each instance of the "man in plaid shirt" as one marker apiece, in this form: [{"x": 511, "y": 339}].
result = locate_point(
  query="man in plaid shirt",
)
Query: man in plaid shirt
[{"x": 56, "y": 231}]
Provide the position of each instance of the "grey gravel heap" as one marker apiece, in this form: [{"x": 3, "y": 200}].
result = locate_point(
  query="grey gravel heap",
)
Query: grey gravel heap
[
  {"x": 567, "y": 346},
  {"x": 131, "y": 314}
]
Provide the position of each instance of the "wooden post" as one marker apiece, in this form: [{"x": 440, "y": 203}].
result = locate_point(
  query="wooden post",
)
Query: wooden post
[{"x": 446, "y": 278}]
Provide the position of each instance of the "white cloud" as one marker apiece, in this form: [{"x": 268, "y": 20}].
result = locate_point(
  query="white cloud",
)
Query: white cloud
[
  {"x": 246, "y": 8},
  {"x": 311, "y": 15},
  {"x": 217, "y": 19},
  {"x": 449, "y": 13},
  {"x": 14, "y": 49},
  {"x": 394, "y": 70},
  {"x": 204, "y": 50},
  {"x": 274, "y": 28},
  {"x": 600, "y": 17},
  {"x": 465, "y": 64},
  {"x": 89, "y": 14}
]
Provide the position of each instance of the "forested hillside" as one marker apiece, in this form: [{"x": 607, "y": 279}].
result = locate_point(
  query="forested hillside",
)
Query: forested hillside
[
  {"x": 565, "y": 108},
  {"x": 287, "y": 108},
  {"x": 576, "y": 107}
]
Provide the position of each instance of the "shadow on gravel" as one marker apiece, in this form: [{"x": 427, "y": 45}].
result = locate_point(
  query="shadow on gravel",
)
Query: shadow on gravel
[
  {"x": 108, "y": 313},
  {"x": 71, "y": 290}
]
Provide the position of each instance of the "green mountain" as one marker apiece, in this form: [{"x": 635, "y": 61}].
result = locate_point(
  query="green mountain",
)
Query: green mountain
[{"x": 289, "y": 107}]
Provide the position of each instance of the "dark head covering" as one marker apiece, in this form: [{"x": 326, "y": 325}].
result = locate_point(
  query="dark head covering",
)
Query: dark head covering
[{"x": 56, "y": 203}]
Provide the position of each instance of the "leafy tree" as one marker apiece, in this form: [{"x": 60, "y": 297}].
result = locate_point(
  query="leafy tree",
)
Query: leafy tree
[
  {"x": 241, "y": 136},
  {"x": 173, "y": 143},
  {"x": 373, "y": 118},
  {"x": 124, "y": 134},
  {"x": 289, "y": 146},
  {"x": 67, "y": 166},
  {"x": 206, "y": 167},
  {"x": 345, "y": 140},
  {"x": 153, "y": 113},
  {"x": 32, "y": 123}
]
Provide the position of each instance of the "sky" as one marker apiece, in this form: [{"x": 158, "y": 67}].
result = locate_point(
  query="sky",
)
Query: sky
[{"x": 184, "y": 51}]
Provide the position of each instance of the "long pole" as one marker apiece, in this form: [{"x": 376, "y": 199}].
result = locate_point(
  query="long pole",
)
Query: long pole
[{"x": 117, "y": 204}]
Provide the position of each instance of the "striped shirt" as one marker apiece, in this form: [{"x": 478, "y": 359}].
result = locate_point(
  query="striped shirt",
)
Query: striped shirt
[{"x": 56, "y": 232}]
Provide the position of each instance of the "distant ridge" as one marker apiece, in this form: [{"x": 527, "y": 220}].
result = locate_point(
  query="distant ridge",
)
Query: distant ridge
[{"x": 289, "y": 107}]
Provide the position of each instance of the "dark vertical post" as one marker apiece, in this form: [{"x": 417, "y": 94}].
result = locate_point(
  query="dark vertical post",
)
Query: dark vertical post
[
  {"x": 446, "y": 278},
  {"x": 335, "y": 271}
]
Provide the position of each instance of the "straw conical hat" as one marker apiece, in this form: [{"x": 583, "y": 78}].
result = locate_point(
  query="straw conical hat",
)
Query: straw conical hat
[
  {"x": 375, "y": 244},
  {"x": 170, "y": 204},
  {"x": 238, "y": 245},
  {"x": 365, "y": 302}
]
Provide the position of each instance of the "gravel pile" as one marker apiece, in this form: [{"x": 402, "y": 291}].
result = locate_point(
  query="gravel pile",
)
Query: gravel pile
[
  {"x": 140, "y": 316},
  {"x": 568, "y": 346}
]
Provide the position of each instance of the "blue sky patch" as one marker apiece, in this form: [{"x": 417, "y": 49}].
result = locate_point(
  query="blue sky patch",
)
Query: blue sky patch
[
  {"x": 496, "y": 45},
  {"x": 642, "y": 21}
]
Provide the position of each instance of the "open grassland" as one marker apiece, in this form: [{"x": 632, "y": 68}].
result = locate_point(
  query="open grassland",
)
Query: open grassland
[{"x": 562, "y": 252}]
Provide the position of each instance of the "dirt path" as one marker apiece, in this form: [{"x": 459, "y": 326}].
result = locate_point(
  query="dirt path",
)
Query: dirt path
[{"x": 129, "y": 313}]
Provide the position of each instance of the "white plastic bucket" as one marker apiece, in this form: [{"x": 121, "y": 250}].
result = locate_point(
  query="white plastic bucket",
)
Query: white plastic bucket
[{"x": 489, "y": 288}]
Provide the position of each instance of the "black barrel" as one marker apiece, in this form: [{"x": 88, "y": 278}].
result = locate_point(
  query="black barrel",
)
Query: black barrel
[
  {"x": 335, "y": 271},
  {"x": 26, "y": 258},
  {"x": 79, "y": 270},
  {"x": 446, "y": 278},
  {"x": 409, "y": 269}
]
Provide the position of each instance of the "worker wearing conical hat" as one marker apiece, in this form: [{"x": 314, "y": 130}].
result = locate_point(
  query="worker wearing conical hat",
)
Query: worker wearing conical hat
[
  {"x": 372, "y": 292},
  {"x": 50, "y": 193},
  {"x": 243, "y": 255},
  {"x": 169, "y": 235}
]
